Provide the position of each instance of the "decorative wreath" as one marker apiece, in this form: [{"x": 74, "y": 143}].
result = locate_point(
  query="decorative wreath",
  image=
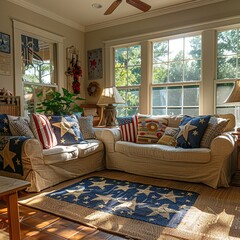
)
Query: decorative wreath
[{"x": 93, "y": 89}]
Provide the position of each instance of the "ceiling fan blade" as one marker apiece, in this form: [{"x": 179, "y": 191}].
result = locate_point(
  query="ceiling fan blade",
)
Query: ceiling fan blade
[
  {"x": 112, "y": 7},
  {"x": 139, "y": 4}
]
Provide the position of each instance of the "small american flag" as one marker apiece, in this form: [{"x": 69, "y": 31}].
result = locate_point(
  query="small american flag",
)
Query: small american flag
[{"x": 128, "y": 127}]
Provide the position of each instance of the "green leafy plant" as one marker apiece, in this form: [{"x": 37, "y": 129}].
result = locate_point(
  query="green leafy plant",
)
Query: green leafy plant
[{"x": 57, "y": 104}]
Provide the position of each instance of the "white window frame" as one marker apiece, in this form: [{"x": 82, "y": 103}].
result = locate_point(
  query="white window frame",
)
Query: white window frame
[{"x": 22, "y": 28}]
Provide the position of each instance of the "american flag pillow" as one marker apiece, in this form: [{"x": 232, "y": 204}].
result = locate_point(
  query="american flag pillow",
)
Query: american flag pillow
[
  {"x": 42, "y": 130},
  {"x": 128, "y": 127}
]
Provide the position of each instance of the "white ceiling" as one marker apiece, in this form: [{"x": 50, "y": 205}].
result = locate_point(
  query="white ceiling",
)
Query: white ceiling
[{"x": 81, "y": 15}]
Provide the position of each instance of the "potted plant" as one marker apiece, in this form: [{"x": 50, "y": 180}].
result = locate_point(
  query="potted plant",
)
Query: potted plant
[{"x": 57, "y": 104}]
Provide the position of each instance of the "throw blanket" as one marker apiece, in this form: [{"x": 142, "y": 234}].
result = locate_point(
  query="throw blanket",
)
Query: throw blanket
[{"x": 11, "y": 154}]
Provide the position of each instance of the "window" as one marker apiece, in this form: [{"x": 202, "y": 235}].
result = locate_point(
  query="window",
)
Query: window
[
  {"x": 128, "y": 78},
  {"x": 176, "y": 68},
  {"x": 38, "y": 65},
  {"x": 228, "y": 67}
]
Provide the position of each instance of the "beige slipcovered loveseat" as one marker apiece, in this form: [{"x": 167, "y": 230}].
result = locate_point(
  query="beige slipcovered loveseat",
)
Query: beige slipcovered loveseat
[
  {"x": 212, "y": 166},
  {"x": 46, "y": 167}
]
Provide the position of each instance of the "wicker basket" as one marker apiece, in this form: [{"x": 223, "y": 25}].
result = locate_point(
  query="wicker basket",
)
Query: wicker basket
[{"x": 10, "y": 105}]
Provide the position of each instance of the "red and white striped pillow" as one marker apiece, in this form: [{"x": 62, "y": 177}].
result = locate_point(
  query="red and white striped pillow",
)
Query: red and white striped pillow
[
  {"x": 128, "y": 127},
  {"x": 42, "y": 130}
]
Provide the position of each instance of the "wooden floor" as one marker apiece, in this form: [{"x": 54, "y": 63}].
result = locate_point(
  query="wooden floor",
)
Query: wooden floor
[{"x": 36, "y": 224}]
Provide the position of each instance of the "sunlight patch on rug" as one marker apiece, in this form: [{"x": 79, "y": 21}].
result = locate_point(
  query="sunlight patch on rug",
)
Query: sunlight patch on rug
[{"x": 153, "y": 204}]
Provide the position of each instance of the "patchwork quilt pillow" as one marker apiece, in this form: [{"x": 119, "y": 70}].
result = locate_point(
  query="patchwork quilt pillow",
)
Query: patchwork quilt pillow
[
  {"x": 4, "y": 125},
  {"x": 66, "y": 129},
  {"x": 86, "y": 127},
  {"x": 170, "y": 137},
  {"x": 128, "y": 128},
  {"x": 191, "y": 130},
  {"x": 216, "y": 127},
  {"x": 42, "y": 130},
  {"x": 150, "y": 128}
]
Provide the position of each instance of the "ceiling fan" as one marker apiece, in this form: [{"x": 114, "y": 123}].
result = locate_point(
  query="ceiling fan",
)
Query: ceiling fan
[{"x": 135, "y": 3}]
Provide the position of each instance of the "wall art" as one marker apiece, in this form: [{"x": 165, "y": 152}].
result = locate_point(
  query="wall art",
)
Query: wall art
[
  {"x": 4, "y": 43},
  {"x": 95, "y": 66}
]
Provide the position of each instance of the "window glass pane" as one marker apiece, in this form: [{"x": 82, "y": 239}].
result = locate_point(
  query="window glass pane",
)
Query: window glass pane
[
  {"x": 174, "y": 111},
  {"x": 120, "y": 57},
  {"x": 120, "y": 77},
  {"x": 227, "y": 42},
  {"x": 223, "y": 91},
  {"x": 176, "y": 49},
  {"x": 160, "y": 73},
  {"x": 225, "y": 110},
  {"x": 191, "y": 111},
  {"x": 192, "y": 70},
  {"x": 226, "y": 67},
  {"x": 176, "y": 72},
  {"x": 193, "y": 47},
  {"x": 159, "y": 96},
  {"x": 159, "y": 111},
  {"x": 134, "y": 76},
  {"x": 174, "y": 96},
  {"x": 133, "y": 97},
  {"x": 191, "y": 96},
  {"x": 134, "y": 55},
  {"x": 160, "y": 52}
]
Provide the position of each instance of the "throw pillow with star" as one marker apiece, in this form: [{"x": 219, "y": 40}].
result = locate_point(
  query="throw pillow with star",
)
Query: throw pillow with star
[
  {"x": 66, "y": 129},
  {"x": 191, "y": 130}
]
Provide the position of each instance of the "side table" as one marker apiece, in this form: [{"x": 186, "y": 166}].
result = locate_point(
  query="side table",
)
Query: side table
[{"x": 9, "y": 188}]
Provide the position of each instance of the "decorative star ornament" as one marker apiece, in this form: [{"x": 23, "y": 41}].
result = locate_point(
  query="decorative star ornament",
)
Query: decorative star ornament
[
  {"x": 8, "y": 156},
  {"x": 104, "y": 198},
  {"x": 184, "y": 130},
  {"x": 101, "y": 185},
  {"x": 163, "y": 210},
  {"x": 75, "y": 193},
  {"x": 65, "y": 126},
  {"x": 145, "y": 191}
]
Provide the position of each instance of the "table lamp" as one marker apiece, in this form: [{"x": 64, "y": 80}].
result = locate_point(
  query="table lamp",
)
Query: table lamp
[
  {"x": 234, "y": 97},
  {"x": 109, "y": 97}
]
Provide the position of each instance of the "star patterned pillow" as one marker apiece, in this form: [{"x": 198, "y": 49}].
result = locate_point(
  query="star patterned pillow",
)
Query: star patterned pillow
[
  {"x": 191, "y": 130},
  {"x": 66, "y": 129}
]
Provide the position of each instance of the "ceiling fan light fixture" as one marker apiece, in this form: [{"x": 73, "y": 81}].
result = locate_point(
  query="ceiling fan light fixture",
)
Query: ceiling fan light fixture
[{"x": 97, "y": 5}]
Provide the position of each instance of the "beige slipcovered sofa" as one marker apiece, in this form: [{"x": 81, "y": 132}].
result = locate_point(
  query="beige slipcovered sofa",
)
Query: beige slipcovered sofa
[
  {"x": 212, "y": 166},
  {"x": 46, "y": 167}
]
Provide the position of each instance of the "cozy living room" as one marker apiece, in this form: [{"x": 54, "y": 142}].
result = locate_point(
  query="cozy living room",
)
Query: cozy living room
[{"x": 119, "y": 119}]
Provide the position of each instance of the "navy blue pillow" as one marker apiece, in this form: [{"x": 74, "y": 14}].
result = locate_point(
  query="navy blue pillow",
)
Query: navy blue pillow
[
  {"x": 4, "y": 125},
  {"x": 66, "y": 129},
  {"x": 191, "y": 130}
]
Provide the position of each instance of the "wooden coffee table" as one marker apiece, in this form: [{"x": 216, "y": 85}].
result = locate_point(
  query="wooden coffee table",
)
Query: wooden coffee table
[{"x": 9, "y": 188}]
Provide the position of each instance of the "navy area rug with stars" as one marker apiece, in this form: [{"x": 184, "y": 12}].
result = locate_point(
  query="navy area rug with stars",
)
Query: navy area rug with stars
[{"x": 153, "y": 204}]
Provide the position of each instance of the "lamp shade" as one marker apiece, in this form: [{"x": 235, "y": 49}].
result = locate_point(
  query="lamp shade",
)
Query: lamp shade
[
  {"x": 110, "y": 96},
  {"x": 234, "y": 96}
]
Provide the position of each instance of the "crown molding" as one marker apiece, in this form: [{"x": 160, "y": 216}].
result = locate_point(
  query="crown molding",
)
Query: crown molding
[
  {"x": 48, "y": 14},
  {"x": 93, "y": 27},
  {"x": 154, "y": 13}
]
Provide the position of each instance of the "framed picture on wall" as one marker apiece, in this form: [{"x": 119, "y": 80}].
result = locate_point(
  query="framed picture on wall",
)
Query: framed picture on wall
[
  {"x": 95, "y": 66},
  {"x": 4, "y": 43}
]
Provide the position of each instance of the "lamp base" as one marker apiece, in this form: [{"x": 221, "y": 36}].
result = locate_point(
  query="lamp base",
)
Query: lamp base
[{"x": 110, "y": 114}]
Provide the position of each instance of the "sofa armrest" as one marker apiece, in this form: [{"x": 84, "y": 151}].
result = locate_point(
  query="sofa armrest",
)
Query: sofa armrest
[
  {"x": 110, "y": 137},
  {"x": 223, "y": 145}
]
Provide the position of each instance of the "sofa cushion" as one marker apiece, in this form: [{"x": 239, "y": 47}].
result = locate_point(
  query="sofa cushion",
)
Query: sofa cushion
[
  {"x": 163, "y": 152},
  {"x": 170, "y": 137},
  {"x": 42, "y": 130},
  {"x": 59, "y": 154},
  {"x": 191, "y": 130},
  {"x": 215, "y": 127},
  {"x": 89, "y": 147},
  {"x": 128, "y": 127},
  {"x": 66, "y": 129},
  {"x": 20, "y": 127},
  {"x": 150, "y": 128},
  {"x": 4, "y": 125},
  {"x": 86, "y": 127}
]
